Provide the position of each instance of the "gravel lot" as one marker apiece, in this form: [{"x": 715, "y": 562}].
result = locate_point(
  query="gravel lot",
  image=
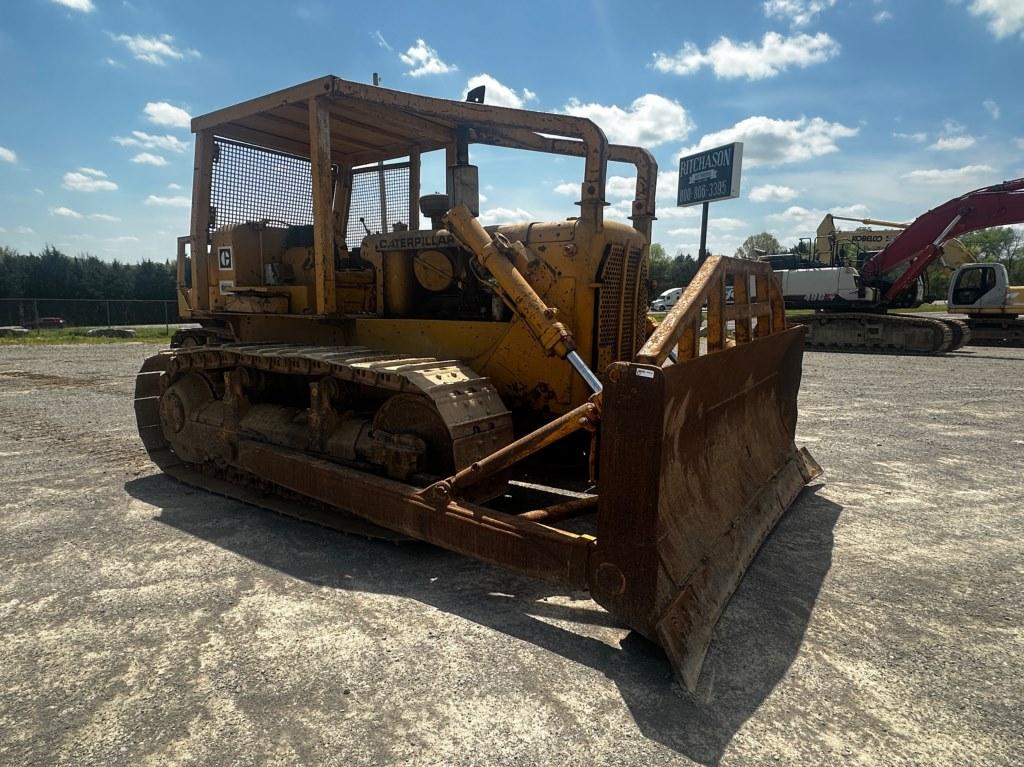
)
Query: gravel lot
[{"x": 145, "y": 623}]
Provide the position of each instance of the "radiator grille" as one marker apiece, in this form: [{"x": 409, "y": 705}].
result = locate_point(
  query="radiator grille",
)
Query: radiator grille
[
  {"x": 621, "y": 312},
  {"x": 367, "y": 201}
]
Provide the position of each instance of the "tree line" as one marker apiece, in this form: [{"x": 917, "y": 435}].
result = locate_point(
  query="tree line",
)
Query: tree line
[{"x": 52, "y": 274}]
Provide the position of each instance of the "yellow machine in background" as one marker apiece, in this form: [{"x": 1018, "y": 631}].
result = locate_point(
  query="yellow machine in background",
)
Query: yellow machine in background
[
  {"x": 476, "y": 387},
  {"x": 851, "y": 247}
]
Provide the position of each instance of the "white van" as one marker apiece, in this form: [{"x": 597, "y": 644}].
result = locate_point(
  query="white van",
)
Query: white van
[{"x": 666, "y": 300}]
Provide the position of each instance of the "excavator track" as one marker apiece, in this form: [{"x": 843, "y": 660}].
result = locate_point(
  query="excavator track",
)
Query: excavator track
[
  {"x": 996, "y": 332},
  {"x": 882, "y": 333},
  {"x": 477, "y": 421},
  {"x": 962, "y": 335}
]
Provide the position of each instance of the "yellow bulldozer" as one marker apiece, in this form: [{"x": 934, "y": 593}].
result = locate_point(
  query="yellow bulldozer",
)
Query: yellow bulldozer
[{"x": 498, "y": 391}]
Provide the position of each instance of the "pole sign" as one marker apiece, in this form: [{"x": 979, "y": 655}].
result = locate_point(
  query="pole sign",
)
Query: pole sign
[{"x": 711, "y": 175}]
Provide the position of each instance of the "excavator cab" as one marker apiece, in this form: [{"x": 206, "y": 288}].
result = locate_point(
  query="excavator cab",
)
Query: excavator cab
[
  {"x": 979, "y": 289},
  {"x": 382, "y": 373}
]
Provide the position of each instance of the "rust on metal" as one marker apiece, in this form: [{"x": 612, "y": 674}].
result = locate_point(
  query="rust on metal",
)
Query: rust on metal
[
  {"x": 583, "y": 417},
  {"x": 706, "y": 292},
  {"x": 565, "y": 510},
  {"x": 407, "y": 382}
]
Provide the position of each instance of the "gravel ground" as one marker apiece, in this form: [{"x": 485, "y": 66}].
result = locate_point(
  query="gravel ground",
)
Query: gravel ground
[{"x": 145, "y": 623}]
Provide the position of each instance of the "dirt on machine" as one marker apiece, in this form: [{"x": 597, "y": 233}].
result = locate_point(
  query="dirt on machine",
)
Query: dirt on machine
[
  {"x": 855, "y": 277},
  {"x": 379, "y": 361}
]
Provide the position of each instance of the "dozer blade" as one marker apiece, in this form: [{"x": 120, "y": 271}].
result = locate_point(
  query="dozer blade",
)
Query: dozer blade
[{"x": 697, "y": 465}]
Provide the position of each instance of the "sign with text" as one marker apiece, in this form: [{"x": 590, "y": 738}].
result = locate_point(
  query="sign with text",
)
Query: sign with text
[{"x": 710, "y": 175}]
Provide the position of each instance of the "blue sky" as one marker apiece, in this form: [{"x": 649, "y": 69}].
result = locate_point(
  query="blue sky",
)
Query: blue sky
[{"x": 875, "y": 107}]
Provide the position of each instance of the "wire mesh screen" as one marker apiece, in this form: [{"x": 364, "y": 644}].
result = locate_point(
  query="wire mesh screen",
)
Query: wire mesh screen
[
  {"x": 250, "y": 183},
  {"x": 373, "y": 207}
]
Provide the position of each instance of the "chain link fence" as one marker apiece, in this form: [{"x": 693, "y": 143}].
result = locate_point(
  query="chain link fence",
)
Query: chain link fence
[{"x": 86, "y": 312}]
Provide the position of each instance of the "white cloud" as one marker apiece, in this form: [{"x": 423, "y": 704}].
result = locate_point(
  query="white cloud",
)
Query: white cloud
[
  {"x": 772, "y": 193},
  {"x": 162, "y": 113},
  {"x": 88, "y": 180},
  {"x": 1019, "y": 142},
  {"x": 767, "y": 141},
  {"x": 85, "y": 6},
  {"x": 145, "y": 158},
  {"x": 505, "y": 216},
  {"x": 623, "y": 188},
  {"x": 723, "y": 223},
  {"x": 65, "y": 212},
  {"x": 25, "y": 230},
  {"x": 7, "y": 155},
  {"x": 796, "y": 221},
  {"x": 1005, "y": 17},
  {"x": 424, "y": 61},
  {"x": 381, "y": 41},
  {"x": 104, "y": 217},
  {"x": 155, "y": 50},
  {"x": 754, "y": 61},
  {"x": 620, "y": 210},
  {"x": 953, "y": 143},
  {"x": 917, "y": 138},
  {"x": 619, "y": 187},
  {"x": 948, "y": 175},
  {"x": 992, "y": 108},
  {"x": 692, "y": 211},
  {"x": 499, "y": 94},
  {"x": 178, "y": 201},
  {"x": 650, "y": 120},
  {"x": 950, "y": 127},
  {"x": 616, "y": 187},
  {"x": 174, "y": 187},
  {"x": 142, "y": 140},
  {"x": 882, "y": 16},
  {"x": 799, "y": 12}
]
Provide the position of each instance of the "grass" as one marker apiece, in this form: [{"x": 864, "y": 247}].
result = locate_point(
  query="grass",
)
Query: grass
[{"x": 45, "y": 336}]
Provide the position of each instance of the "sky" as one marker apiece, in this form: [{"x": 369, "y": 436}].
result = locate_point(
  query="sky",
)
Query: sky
[{"x": 879, "y": 108}]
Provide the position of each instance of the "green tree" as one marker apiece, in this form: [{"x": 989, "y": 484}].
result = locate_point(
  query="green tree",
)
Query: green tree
[
  {"x": 667, "y": 271},
  {"x": 1002, "y": 244},
  {"x": 937, "y": 279},
  {"x": 758, "y": 244}
]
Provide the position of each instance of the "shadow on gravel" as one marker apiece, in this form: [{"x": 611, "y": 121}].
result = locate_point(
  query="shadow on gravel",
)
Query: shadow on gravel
[
  {"x": 754, "y": 643},
  {"x": 992, "y": 354}
]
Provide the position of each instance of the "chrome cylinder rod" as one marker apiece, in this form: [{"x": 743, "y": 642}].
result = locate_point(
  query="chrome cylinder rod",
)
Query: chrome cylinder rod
[{"x": 584, "y": 371}]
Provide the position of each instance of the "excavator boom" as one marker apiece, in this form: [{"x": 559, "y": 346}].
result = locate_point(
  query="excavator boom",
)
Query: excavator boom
[{"x": 920, "y": 243}]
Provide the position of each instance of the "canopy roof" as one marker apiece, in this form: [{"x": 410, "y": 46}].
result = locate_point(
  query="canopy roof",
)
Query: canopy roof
[{"x": 369, "y": 123}]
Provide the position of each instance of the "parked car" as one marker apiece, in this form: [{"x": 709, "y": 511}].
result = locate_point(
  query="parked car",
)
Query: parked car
[
  {"x": 44, "y": 322},
  {"x": 666, "y": 300}
]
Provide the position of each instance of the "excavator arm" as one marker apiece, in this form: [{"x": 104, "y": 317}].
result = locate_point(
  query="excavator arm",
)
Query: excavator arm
[{"x": 920, "y": 244}]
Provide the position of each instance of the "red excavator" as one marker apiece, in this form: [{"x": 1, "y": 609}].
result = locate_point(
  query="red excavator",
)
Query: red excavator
[{"x": 852, "y": 293}]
